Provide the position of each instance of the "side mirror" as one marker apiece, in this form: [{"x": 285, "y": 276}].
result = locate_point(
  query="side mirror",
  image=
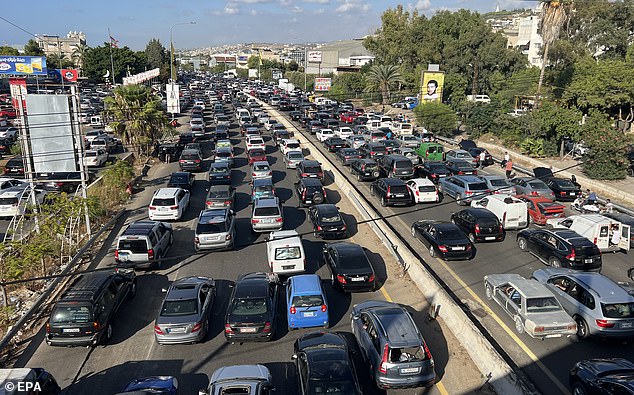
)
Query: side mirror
[
  {"x": 164, "y": 290},
  {"x": 355, "y": 317},
  {"x": 294, "y": 356},
  {"x": 203, "y": 392}
]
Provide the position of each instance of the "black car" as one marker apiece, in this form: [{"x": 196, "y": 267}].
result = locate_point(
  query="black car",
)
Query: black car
[
  {"x": 475, "y": 152},
  {"x": 602, "y": 376},
  {"x": 62, "y": 181},
  {"x": 5, "y": 145},
  {"x": 391, "y": 191},
  {"x": 350, "y": 267},
  {"x": 310, "y": 191},
  {"x": 14, "y": 167},
  {"x": 83, "y": 315},
  {"x": 181, "y": 179},
  {"x": 372, "y": 150},
  {"x": 169, "y": 152},
  {"x": 479, "y": 224},
  {"x": 220, "y": 173},
  {"x": 221, "y": 133},
  {"x": 310, "y": 169},
  {"x": 334, "y": 144},
  {"x": 561, "y": 248},
  {"x": 220, "y": 196},
  {"x": 252, "y": 308},
  {"x": 433, "y": 171},
  {"x": 390, "y": 145},
  {"x": 443, "y": 239},
  {"x": 327, "y": 221},
  {"x": 295, "y": 115},
  {"x": 184, "y": 139},
  {"x": 563, "y": 188},
  {"x": 314, "y": 126},
  {"x": 190, "y": 160},
  {"x": 281, "y": 134},
  {"x": 348, "y": 155},
  {"x": 324, "y": 365},
  {"x": 365, "y": 169},
  {"x": 460, "y": 167}
]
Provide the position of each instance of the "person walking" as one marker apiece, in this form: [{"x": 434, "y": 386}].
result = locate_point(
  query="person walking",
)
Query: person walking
[
  {"x": 483, "y": 156},
  {"x": 609, "y": 207},
  {"x": 509, "y": 168}
]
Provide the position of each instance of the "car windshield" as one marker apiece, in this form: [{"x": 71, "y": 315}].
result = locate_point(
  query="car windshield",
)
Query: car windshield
[
  {"x": 261, "y": 167},
  {"x": 436, "y": 166},
  {"x": 312, "y": 169},
  {"x": 89, "y": 154},
  {"x": 223, "y": 154},
  {"x": 332, "y": 218},
  {"x": 536, "y": 305},
  {"x": 65, "y": 313},
  {"x": 248, "y": 306},
  {"x": 427, "y": 188},
  {"x": 566, "y": 184},
  {"x": 307, "y": 301},
  {"x": 179, "y": 180},
  {"x": 284, "y": 253},
  {"x": 175, "y": 308},
  {"x": 407, "y": 354},
  {"x": 135, "y": 246},
  {"x": 218, "y": 194},
  {"x": 499, "y": 182},
  {"x": 217, "y": 169},
  {"x": 266, "y": 212},
  {"x": 618, "y": 310},
  {"x": 214, "y": 227}
]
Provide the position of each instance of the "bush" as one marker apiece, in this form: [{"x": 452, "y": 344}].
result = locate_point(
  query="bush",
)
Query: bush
[{"x": 533, "y": 147}]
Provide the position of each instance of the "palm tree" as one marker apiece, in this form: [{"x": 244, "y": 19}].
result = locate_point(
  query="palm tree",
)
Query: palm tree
[
  {"x": 58, "y": 61},
  {"x": 138, "y": 118},
  {"x": 79, "y": 53},
  {"x": 555, "y": 14},
  {"x": 383, "y": 77}
]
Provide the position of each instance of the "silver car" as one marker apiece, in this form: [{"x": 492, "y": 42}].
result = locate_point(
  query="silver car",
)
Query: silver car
[
  {"x": 292, "y": 159},
  {"x": 532, "y": 306},
  {"x": 215, "y": 229},
  {"x": 267, "y": 215},
  {"x": 408, "y": 140},
  {"x": 184, "y": 313},
  {"x": 531, "y": 187},
  {"x": 355, "y": 141},
  {"x": 261, "y": 169},
  {"x": 224, "y": 154},
  {"x": 499, "y": 184},
  {"x": 247, "y": 379}
]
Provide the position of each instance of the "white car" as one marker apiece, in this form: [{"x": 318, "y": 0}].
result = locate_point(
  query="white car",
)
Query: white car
[
  {"x": 95, "y": 157},
  {"x": 292, "y": 159},
  {"x": 290, "y": 145},
  {"x": 423, "y": 190},
  {"x": 323, "y": 134},
  {"x": 254, "y": 142},
  {"x": 94, "y": 134},
  {"x": 200, "y": 103},
  {"x": 344, "y": 132},
  {"x": 269, "y": 123},
  {"x": 168, "y": 203},
  {"x": 9, "y": 183},
  {"x": 14, "y": 200}
]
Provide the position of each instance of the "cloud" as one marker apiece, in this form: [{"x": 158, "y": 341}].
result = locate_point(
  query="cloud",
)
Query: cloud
[
  {"x": 252, "y": 1},
  {"x": 320, "y": 11},
  {"x": 421, "y": 5},
  {"x": 231, "y": 9},
  {"x": 253, "y": 12},
  {"x": 317, "y": 1},
  {"x": 297, "y": 10},
  {"x": 352, "y": 6}
]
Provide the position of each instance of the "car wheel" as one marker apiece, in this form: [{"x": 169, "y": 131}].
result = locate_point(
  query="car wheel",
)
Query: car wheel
[
  {"x": 582, "y": 328},
  {"x": 432, "y": 252},
  {"x": 488, "y": 291},
  {"x": 554, "y": 262},
  {"x": 522, "y": 244},
  {"x": 578, "y": 389},
  {"x": 471, "y": 238},
  {"x": 383, "y": 201},
  {"x": 519, "y": 327}
]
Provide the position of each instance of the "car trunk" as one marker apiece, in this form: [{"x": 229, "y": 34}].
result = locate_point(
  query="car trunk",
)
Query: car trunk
[{"x": 72, "y": 319}]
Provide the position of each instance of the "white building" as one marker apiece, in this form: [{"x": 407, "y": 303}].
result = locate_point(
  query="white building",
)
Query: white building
[{"x": 340, "y": 56}]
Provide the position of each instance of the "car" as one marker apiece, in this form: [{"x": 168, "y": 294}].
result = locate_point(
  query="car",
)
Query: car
[
  {"x": 293, "y": 158},
  {"x": 269, "y": 123},
  {"x": 224, "y": 155},
  {"x": 391, "y": 191},
  {"x": 306, "y": 302},
  {"x": 197, "y": 124},
  {"x": 408, "y": 153},
  {"x": 433, "y": 171},
  {"x": 532, "y": 306},
  {"x": 262, "y": 188},
  {"x": 267, "y": 215},
  {"x": 222, "y": 143},
  {"x": 285, "y": 252},
  {"x": 310, "y": 169},
  {"x": 5, "y": 145},
  {"x": 236, "y": 379},
  {"x": 327, "y": 221},
  {"x": 261, "y": 169},
  {"x": 190, "y": 160},
  {"x": 460, "y": 167},
  {"x": 84, "y": 314},
  {"x": 9, "y": 183},
  {"x": 372, "y": 150},
  {"x": 461, "y": 154},
  {"x": 95, "y": 157},
  {"x": 347, "y": 155},
  {"x": 184, "y": 313},
  {"x": 602, "y": 376},
  {"x": 365, "y": 169},
  {"x": 392, "y": 345},
  {"x": 254, "y": 142},
  {"x": 219, "y": 173},
  {"x": 463, "y": 188},
  {"x": 479, "y": 224},
  {"x": 168, "y": 203},
  {"x": 333, "y": 144},
  {"x": 14, "y": 167},
  {"x": 144, "y": 244},
  {"x": 531, "y": 187},
  {"x": 185, "y": 138},
  {"x": 280, "y": 135},
  {"x": 350, "y": 267},
  {"x": 397, "y": 166},
  {"x": 475, "y": 153},
  {"x": 220, "y": 196},
  {"x": 183, "y": 179},
  {"x": 196, "y": 146},
  {"x": 102, "y": 143},
  {"x": 324, "y": 364},
  {"x": 252, "y": 309},
  {"x": 289, "y": 145},
  {"x": 541, "y": 209},
  {"x": 443, "y": 239},
  {"x": 17, "y": 200},
  {"x": 390, "y": 145},
  {"x": 215, "y": 229},
  {"x": 314, "y": 126},
  {"x": 600, "y": 306},
  {"x": 423, "y": 190},
  {"x": 344, "y": 132},
  {"x": 408, "y": 141},
  {"x": 160, "y": 385},
  {"x": 35, "y": 378},
  {"x": 323, "y": 134},
  {"x": 563, "y": 188},
  {"x": 561, "y": 248},
  {"x": 499, "y": 185},
  {"x": 355, "y": 141}
]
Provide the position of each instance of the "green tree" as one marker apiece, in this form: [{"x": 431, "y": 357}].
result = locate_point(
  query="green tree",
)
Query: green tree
[
  {"x": 437, "y": 118},
  {"x": 157, "y": 57},
  {"x": 97, "y": 62},
  {"x": 58, "y": 61},
  {"x": 607, "y": 157},
  {"x": 554, "y": 121},
  {"x": 7, "y": 50},
  {"x": 480, "y": 118},
  {"x": 31, "y": 48},
  {"x": 383, "y": 78},
  {"x": 79, "y": 53},
  {"x": 292, "y": 66}
]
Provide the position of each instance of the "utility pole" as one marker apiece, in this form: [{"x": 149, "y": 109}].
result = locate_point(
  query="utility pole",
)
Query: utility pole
[{"x": 79, "y": 143}]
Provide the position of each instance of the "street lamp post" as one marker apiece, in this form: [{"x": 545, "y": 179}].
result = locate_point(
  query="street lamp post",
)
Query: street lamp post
[{"x": 172, "y": 75}]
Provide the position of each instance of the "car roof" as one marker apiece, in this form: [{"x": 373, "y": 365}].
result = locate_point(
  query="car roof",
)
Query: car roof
[
  {"x": 252, "y": 285},
  {"x": 469, "y": 179},
  {"x": 240, "y": 373},
  {"x": 397, "y": 325},
  {"x": 185, "y": 288},
  {"x": 530, "y": 288},
  {"x": 422, "y": 181},
  {"x": 325, "y": 209},
  {"x": 266, "y": 202},
  {"x": 607, "y": 289},
  {"x": 262, "y": 181},
  {"x": 310, "y": 162},
  {"x": 306, "y": 284},
  {"x": 393, "y": 181},
  {"x": 166, "y": 192},
  {"x": 481, "y": 212},
  {"x": 212, "y": 216}
]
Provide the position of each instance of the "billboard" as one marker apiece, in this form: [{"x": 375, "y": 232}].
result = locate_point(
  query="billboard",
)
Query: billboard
[
  {"x": 314, "y": 56},
  {"x": 173, "y": 99},
  {"x": 322, "y": 84},
  {"x": 17, "y": 86},
  {"x": 141, "y": 77},
  {"x": 432, "y": 86},
  {"x": 276, "y": 74},
  {"x": 23, "y": 65},
  {"x": 253, "y": 73},
  {"x": 66, "y": 75}
]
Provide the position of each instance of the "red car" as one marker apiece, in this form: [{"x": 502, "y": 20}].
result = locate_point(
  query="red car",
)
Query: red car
[
  {"x": 347, "y": 117},
  {"x": 541, "y": 209},
  {"x": 8, "y": 111},
  {"x": 256, "y": 155}
]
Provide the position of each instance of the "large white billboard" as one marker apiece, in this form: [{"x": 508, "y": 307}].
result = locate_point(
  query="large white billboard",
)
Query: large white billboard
[
  {"x": 314, "y": 56},
  {"x": 173, "y": 98}
]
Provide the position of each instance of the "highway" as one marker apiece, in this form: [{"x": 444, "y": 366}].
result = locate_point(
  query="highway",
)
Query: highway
[{"x": 133, "y": 353}]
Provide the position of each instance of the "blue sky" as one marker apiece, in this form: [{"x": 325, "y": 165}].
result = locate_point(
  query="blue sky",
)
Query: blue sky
[{"x": 135, "y": 22}]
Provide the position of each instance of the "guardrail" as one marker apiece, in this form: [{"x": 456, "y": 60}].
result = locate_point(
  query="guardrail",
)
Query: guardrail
[{"x": 617, "y": 207}]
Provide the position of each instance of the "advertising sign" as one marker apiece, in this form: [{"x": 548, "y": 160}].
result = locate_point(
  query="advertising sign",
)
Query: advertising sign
[
  {"x": 173, "y": 99},
  {"x": 432, "y": 86},
  {"x": 322, "y": 84},
  {"x": 23, "y": 65},
  {"x": 141, "y": 77},
  {"x": 276, "y": 74},
  {"x": 314, "y": 56},
  {"x": 68, "y": 75},
  {"x": 17, "y": 86},
  {"x": 253, "y": 73}
]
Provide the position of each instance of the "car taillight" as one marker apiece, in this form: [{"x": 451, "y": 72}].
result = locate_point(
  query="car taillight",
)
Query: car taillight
[
  {"x": 501, "y": 227},
  {"x": 304, "y": 174},
  {"x": 292, "y": 310},
  {"x": 96, "y": 325},
  {"x": 427, "y": 353},
  {"x": 157, "y": 330},
  {"x": 48, "y": 327},
  {"x": 253, "y": 174},
  {"x": 534, "y": 193},
  {"x": 228, "y": 202},
  {"x": 324, "y": 308},
  {"x": 228, "y": 329},
  {"x": 181, "y": 161},
  {"x": 196, "y": 240},
  {"x": 571, "y": 256},
  {"x": 604, "y": 324},
  {"x": 173, "y": 207},
  {"x": 539, "y": 329},
  {"x": 116, "y": 254},
  {"x": 443, "y": 248},
  {"x": 255, "y": 221},
  {"x": 279, "y": 219},
  {"x": 320, "y": 174},
  {"x": 341, "y": 279},
  {"x": 324, "y": 192},
  {"x": 371, "y": 278},
  {"x": 150, "y": 254},
  {"x": 468, "y": 193},
  {"x": 383, "y": 367},
  {"x": 460, "y": 172},
  {"x": 477, "y": 229},
  {"x": 594, "y": 241},
  {"x": 267, "y": 327}
]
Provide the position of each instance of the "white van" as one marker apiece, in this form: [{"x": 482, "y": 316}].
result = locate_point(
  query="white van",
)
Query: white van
[
  {"x": 512, "y": 212},
  {"x": 285, "y": 252},
  {"x": 373, "y": 124},
  {"x": 608, "y": 234}
]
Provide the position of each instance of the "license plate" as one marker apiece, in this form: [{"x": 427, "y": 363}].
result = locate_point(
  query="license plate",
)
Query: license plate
[
  {"x": 123, "y": 256},
  {"x": 399, "y": 195},
  {"x": 248, "y": 330},
  {"x": 587, "y": 261},
  {"x": 175, "y": 330},
  {"x": 553, "y": 336},
  {"x": 626, "y": 325},
  {"x": 572, "y": 193},
  {"x": 309, "y": 314},
  {"x": 409, "y": 370},
  {"x": 357, "y": 279},
  {"x": 457, "y": 248},
  {"x": 163, "y": 209},
  {"x": 489, "y": 238},
  {"x": 70, "y": 330},
  {"x": 288, "y": 267}
]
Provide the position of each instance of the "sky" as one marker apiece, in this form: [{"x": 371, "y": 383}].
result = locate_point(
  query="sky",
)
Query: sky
[{"x": 217, "y": 22}]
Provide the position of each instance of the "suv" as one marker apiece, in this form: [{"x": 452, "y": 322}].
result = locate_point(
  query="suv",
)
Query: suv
[
  {"x": 255, "y": 379},
  {"x": 310, "y": 168},
  {"x": 142, "y": 242},
  {"x": 310, "y": 191},
  {"x": 396, "y": 166},
  {"x": 365, "y": 169},
  {"x": 479, "y": 224},
  {"x": 372, "y": 150},
  {"x": 463, "y": 188},
  {"x": 391, "y": 191},
  {"x": 168, "y": 203},
  {"x": 561, "y": 248},
  {"x": 215, "y": 228},
  {"x": 267, "y": 215},
  {"x": 392, "y": 345},
  {"x": 190, "y": 160},
  {"x": 83, "y": 315}
]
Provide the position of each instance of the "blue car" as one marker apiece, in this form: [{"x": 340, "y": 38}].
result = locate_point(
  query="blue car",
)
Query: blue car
[
  {"x": 262, "y": 188},
  {"x": 306, "y": 302},
  {"x": 164, "y": 385}
]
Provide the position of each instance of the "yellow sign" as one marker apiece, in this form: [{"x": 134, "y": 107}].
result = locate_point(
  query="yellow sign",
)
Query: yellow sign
[{"x": 432, "y": 86}]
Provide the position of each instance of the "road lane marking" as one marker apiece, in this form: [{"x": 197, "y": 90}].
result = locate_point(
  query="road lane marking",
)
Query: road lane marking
[
  {"x": 508, "y": 330},
  {"x": 439, "y": 384}
]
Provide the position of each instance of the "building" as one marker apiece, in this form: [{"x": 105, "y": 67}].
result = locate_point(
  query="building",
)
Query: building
[
  {"x": 56, "y": 45},
  {"x": 522, "y": 32},
  {"x": 340, "y": 56}
]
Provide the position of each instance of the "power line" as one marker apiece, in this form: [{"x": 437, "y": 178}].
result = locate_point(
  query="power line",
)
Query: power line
[{"x": 18, "y": 27}]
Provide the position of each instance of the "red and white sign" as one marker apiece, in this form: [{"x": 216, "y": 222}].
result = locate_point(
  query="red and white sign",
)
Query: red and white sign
[
  {"x": 69, "y": 75},
  {"x": 17, "y": 87},
  {"x": 322, "y": 84},
  {"x": 314, "y": 56}
]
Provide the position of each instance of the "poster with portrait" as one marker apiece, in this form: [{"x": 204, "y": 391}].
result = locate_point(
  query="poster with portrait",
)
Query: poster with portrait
[{"x": 432, "y": 86}]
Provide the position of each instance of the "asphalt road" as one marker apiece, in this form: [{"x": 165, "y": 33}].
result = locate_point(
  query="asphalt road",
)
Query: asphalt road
[
  {"x": 547, "y": 362},
  {"x": 133, "y": 352}
]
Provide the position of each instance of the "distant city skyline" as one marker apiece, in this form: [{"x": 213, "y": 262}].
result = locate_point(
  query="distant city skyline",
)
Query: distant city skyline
[{"x": 134, "y": 23}]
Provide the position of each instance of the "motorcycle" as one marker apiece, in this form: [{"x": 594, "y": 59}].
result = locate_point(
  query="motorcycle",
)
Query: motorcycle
[{"x": 585, "y": 207}]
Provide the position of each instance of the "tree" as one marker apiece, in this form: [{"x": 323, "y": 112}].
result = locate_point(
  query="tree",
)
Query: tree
[
  {"x": 7, "y": 50},
  {"x": 97, "y": 62},
  {"x": 31, "y": 48},
  {"x": 292, "y": 66},
  {"x": 607, "y": 156},
  {"x": 383, "y": 78},
  {"x": 79, "y": 53},
  {"x": 58, "y": 61},
  {"x": 437, "y": 118},
  {"x": 157, "y": 57}
]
